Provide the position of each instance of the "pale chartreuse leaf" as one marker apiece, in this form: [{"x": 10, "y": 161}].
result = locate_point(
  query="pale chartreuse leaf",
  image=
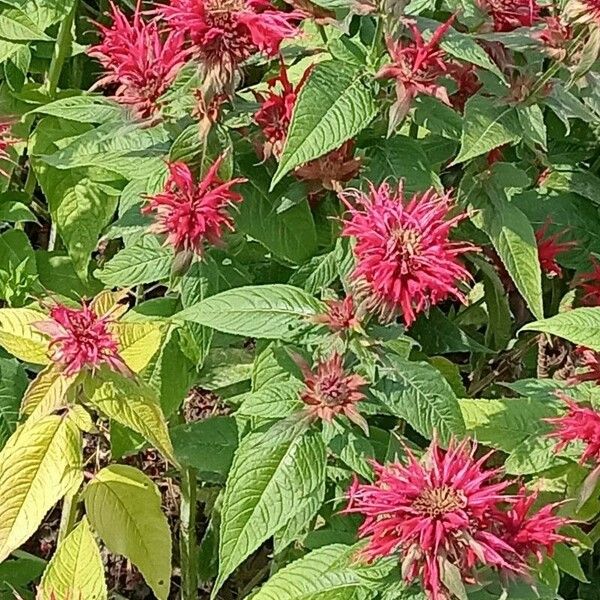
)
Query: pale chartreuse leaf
[
  {"x": 261, "y": 311},
  {"x": 138, "y": 342},
  {"x": 46, "y": 393},
  {"x": 419, "y": 393},
  {"x": 487, "y": 125},
  {"x": 271, "y": 476},
  {"x": 328, "y": 573},
  {"x": 13, "y": 383},
  {"x": 146, "y": 261},
  {"x": 580, "y": 326},
  {"x": 132, "y": 403},
  {"x": 19, "y": 336},
  {"x": 124, "y": 508},
  {"x": 76, "y": 569},
  {"x": 40, "y": 463},
  {"x": 83, "y": 109},
  {"x": 336, "y": 103}
]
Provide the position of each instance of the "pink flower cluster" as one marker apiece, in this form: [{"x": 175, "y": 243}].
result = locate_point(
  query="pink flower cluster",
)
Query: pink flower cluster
[{"x": 449, "y": 513}]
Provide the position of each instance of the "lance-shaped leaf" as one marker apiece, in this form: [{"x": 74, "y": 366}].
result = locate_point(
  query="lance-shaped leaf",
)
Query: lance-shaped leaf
[
  {"x": 13, "y": 383},
  {"x": 272, "y": 475},
  {"x": 131, "y": 403},
  {"x": 335, "y": 104},
  {"x": 46, "y": 393},
  {"x": 19, "y": 337},
  {"x": 76, "y": 569},
  {"x": 138, "y": 342},
  {"x": 123, "y": 506},
  {"x": 40, "y": 463}
]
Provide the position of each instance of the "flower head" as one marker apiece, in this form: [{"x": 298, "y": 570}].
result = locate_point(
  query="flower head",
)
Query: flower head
[
  {"x": 583, "y": 11},
  {"x": 224, "y": 33},
  {"x": 340, "y": 315},
  {"x": 549, "y": 247},
  {"x": 137, "y": 60},
  {"x": 6, "y": 141},
  {"x": 508, "y": 15},
  {"x": 555, "y": 36},
  {"x": 588, "y": 285},
  {"x": 578, "y": 424},
  {"x": 329, "y": 391},
  {"x": 81, "y": 339},
  {"x": 416, "y": 67},
  {"x": 467, "y": 84},
  {"x": 192, "y": 212},
  {"x": 447, "y": 511},
  {"x": 406, "y": 262}
]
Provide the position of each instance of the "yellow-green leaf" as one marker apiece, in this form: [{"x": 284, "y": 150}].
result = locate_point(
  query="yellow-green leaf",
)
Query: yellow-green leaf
[
  {"x": 131, "y": 403},
  {"x": 107, "y": 302},
  {"x": 40, "y": 463},
  {"x": 20, "y": 338},
  {"x": 46, "y": 393},
  {"x": 123, "y": 506},
  {"x": 138, "y": 342},
  {"x": 76, "y": 569}
]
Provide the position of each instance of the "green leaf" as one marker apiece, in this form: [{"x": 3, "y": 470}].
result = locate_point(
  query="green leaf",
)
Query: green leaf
[
  {"x": 83, "y": 109},
  {"x": 144, "y": 262},
  {"x": 271, "y": 475},
  {"x": 131, "y": 403},
  {"x": 580, "y": 326},
  {"x": 138, "y": 342},
  {"x": 15, "y": 211},
  {"x": 537, "y": 454},
  {"x": 13, "y": 383},
  {"x": 224, "y": 367},
  {"x": 568, "y": 562},
  {"x": 334, "y": 104},
  {"x": 124, "y": 507},
  {"x": 208, "y": 446},
  {"x": 40, "y": 463},
  {"x": 266, "y": 311},
  {"x": 531, "y": 119},
  {"x": 19, "y": 337},
  {"x": 272, "y": 401},
  {"x": 486, "y": 125},
  {"x": 418, "y": 393},
  {"x": 76, "y": 569},
  {"x": 57, "y": 274}
]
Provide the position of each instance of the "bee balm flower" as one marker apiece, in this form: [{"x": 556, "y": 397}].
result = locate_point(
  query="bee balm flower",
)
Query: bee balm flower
[
  {"x": 405, "y": 261},
  {"x": 549, "y": 247},
  {"x": 508, "y": 15}
]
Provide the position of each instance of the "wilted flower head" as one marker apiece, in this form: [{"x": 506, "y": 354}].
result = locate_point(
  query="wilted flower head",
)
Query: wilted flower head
[
  {"x": 549, "y": 247},
  {"x": 340, "y": 315},
  {"x": 192, "y": 213},
  {"x": 511, "y": 14},
  {"x": 446, "y": 513},
  {"x": 81, "y": 339},
  {"x": 583, "y": 11},
  {"x": 589, "y": 285},
  {"x": 405, "y": 261},
  {"x": 329, "y": 391},
  {"x": 416, "y": 66},
  {"x": 589, "y": 361},
  {"x": 555, "y": 36},
  {"x": 224, "y": 33},
  {"x": 467, "y": 84},
  {"x": 140, "y": 62},
  {"x": 578, "y": 424},
  {"x": 6, "y": 141}
]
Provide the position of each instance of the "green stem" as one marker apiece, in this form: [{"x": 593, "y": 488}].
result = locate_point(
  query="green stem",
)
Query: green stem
[
  {"x": 187, "y": 537},
  {"x": 377, "y": 37},
  {"x": 68, "y": 516},
  {"x": 62, "y": 49}
]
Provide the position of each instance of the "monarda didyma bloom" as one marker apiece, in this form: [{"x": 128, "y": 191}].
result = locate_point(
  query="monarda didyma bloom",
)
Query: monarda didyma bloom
[
  {"x": 192, "y": 213},
  {"x": 549, "y": 247},
  {"x": 80, "y": 339},
  {"x": 405, "y": 261},
  {"x": 447, "y": 515},
  {"x": 508, "y": 15}
]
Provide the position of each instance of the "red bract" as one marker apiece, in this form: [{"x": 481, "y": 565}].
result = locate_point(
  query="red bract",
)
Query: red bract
[
  {"x": 467, "y": 84},
  {"x": 140, "y": 62},
  {"x": 511, "y": 14},
  {"x": 340, "y": 315},
  {"x": 406, "y": 262},
  {"x": 329, "y": 391},
  {"x": 6, "y": 141},
  {"x": 437, "y": 514},
  {"x": 549, "y": 247},
  {"x": 224, "y": 33},
  {"x": 579, "y": 424},
  {"x": 416, "y": 67},
  {"x": 192, "y": 213},
  {"x": 589, "y": 285},
  {"x": 583, "y": 11},
  {"x": 590, "y": 361},
  {"x": 555, "y": 36},
  {"x": 81, "y": 339}
]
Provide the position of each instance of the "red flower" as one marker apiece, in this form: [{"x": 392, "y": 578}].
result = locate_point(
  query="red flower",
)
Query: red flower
[
  {"x": 579, "y": 424},
  {"x": 340, "y": 316},
  {"x": 224, "y": 33},
  {"x": 555, "y": 36},
  {"x": 467, "y": 84},
  {"x": 80, "y": 339},
  {"x": 6, "y": 141},
  {"x": 589, "y": 360},
  {"x": 137, "y": 60},
  {"x": 416, "y": 67},
  {"x": 434, "y": 513},
  {"x": 531, "y": 534},
  {"x": 549, "y": 247},
  {"x": 589, "y": 284},
  {"x": 511, "y": 14},
  {"x": 583, "y": 11},
  {"x": 330, "y": 391},
  {"x": 405, "y": 259},
  {"x": 191, "y": 212}
]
